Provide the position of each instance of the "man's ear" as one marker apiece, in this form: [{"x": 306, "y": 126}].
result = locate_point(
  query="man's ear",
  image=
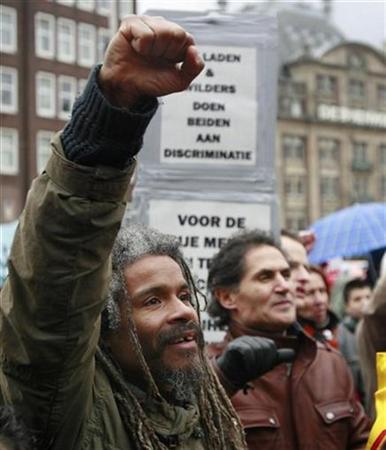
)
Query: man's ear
[{"x": 226, "y": 298}]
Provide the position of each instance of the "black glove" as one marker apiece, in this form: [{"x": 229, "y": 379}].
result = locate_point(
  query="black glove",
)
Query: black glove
[{"x": 248, "y": 357}]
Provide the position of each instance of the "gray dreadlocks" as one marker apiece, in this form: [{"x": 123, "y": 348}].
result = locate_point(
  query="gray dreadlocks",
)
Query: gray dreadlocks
[{"x": 221, "y": 427}]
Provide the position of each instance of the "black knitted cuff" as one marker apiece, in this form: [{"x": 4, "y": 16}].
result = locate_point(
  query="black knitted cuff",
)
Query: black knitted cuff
[{"x": 99, "y": 133}]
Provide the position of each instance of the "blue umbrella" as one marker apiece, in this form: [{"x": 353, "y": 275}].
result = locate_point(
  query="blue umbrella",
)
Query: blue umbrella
[{"x": 353, "y": 231}]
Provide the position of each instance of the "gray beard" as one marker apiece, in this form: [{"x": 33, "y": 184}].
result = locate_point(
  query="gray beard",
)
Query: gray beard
[{"x": 179, "y": 386}]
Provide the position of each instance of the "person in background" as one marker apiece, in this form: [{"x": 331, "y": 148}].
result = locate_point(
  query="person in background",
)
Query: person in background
[
  {"x": 371, "y": 338},
  {"x": 356, "y": 297},
  {"x": 303, "y": 404},
  {"x": 296, "y": 254},
  {"x": 316, "y": 317}
]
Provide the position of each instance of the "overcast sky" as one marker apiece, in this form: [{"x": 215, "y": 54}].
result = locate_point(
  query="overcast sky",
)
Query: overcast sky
[{"x": 358, "y": 20}]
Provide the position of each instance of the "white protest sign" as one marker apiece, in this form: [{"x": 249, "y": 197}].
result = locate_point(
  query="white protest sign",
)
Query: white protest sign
[
  {"x": 215, "y": 120},
  {"x": 202, "y": 228}
]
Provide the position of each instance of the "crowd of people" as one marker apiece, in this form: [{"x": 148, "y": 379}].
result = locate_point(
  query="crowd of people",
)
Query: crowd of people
[{"x": 101, "y": 344}]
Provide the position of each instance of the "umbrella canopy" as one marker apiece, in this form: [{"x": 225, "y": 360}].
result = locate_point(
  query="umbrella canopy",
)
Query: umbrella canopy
[{"x": 352, "y": 231}]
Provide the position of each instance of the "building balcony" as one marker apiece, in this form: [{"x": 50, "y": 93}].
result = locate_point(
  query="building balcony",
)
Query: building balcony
[{"x": 359, "y": 165}]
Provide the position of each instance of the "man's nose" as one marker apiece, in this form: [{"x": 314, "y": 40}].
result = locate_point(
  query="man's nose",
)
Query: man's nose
[
  {"x": 303, "y": 274},
  {"x": 181, "y": 311},
  {"x": 282, "y": 283}
]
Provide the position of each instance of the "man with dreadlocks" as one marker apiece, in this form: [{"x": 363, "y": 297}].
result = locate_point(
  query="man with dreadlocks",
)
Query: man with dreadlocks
[{"x": 143, "y": 383}]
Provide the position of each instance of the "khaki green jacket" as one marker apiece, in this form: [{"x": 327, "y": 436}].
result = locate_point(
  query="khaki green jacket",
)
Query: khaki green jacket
[{"x": 50, "y": 312}]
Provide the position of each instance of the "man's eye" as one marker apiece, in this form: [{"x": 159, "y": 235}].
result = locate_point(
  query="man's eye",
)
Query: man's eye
[
  {"x": 152, "y": 301},
  {"x": 287, "y": 275},
  {"x": 186, "y": 297}
]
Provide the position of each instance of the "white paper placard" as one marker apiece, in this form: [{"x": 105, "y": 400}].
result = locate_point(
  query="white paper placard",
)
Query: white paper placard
[{"x": 215, "y": 120}]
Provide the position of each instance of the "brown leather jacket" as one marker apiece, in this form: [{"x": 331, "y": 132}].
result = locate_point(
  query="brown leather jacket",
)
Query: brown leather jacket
[{"x": 308, "y": 405}]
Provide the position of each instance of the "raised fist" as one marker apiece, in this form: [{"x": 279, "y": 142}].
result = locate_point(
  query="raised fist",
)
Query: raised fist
[{"x": 148, "y": 56}]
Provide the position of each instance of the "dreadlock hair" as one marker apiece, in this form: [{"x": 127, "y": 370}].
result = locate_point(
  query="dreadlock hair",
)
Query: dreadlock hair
[
  {"x": 219, "y": 422},
  {"x": 228, "y": 266},
  {"x": 13, "y": 433}
]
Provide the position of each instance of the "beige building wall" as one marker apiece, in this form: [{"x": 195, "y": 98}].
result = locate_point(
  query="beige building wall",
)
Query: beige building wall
[{"x": 331, "y": 134}]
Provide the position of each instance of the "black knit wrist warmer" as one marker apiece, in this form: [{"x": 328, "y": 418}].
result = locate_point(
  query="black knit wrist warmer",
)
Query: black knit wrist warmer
[{"x": 99, "y": 133}]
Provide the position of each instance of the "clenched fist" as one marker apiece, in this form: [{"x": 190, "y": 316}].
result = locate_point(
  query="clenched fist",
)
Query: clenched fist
[{"x": 148, "y": 56}]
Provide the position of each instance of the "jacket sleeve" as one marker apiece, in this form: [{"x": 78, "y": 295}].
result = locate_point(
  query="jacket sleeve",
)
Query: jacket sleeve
[
  {"x": 58, "y": 277},
  {"x": 59, "y": 271},
  {"x": 373, "y": 324},
  {"x": 371, "y": 338}
]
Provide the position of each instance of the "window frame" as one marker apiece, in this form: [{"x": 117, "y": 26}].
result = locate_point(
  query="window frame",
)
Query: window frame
[
  {"x": 321, "y": 85},
  {"x": 46, "y": 112},
  {"x": 69, "y": 3},
  {"x": 101, "y": 8},
  {"x": 13, "y": 107},
  {"x": 86, "y": 62},
  {"x": 102, "y": 33},
  {"x": 61, "y": 56},
  {"x": 39, "y": 51},
  {"x": 85, "y": 5},
  {"x": 14, "y": 152},
  {"x": 352, "y": 82},
  {"x": 328, "y": 150},
  {"x": 62, "y": 113},
  {"x": 40, "y": 165},
  {"x": 12, "y": 46}
]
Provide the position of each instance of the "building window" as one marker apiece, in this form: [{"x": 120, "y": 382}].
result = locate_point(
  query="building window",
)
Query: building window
[
  {"x": 294, "y": 147},
  {"x": 296, "y": 221},
  {"x": 356, "y": 90},
  {"x": 44, "y": 35},
  {"x": 326, "y": 85},
  {"x": 125, "y": 7},
  {"x": 103, "y": 42},
  {"x": 9, "y": 151},
  {"x": 383, "y": 188},
  {"x": 8, "y": 29},
  {"x": 382, "y": 154},
  {"x": 66, "y": 96},
  {"x": 328, "y": 150},
  {"x": 291, "y": 107},
  {"x": 45, "y": 94},
  {"x": 103, "y": 7},
  {"x": 86, "y": 44},
  {"x": 295, "y": 186},
  {"x": 8, "y": 90},
  {"x": 360, "y": 187},
  {"x": 66, "y": 2},
  {"x": 43, "y": 149},
  {"x": 356, "y": 61},
  {"x": 66, "y": 40},
  {"x": 87, "y": 5},
  {"x": 81, "y": 85},
  {"x": 360, "y": 151},
  {"x": 329, "y": 187},
  {"x": 381, "y": 96}
]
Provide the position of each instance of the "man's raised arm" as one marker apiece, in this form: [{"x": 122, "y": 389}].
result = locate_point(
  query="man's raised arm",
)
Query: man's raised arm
[{"x": 59, "y": 265}]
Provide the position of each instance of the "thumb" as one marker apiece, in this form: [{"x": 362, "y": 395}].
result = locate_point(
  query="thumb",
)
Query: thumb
[
  {"x": 192, "y": 65},
  {"x": 285, "y": 355}
]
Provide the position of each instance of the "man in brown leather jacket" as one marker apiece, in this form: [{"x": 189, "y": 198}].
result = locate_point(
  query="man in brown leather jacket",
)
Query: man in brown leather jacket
[{"x": 308, "y": 404}]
